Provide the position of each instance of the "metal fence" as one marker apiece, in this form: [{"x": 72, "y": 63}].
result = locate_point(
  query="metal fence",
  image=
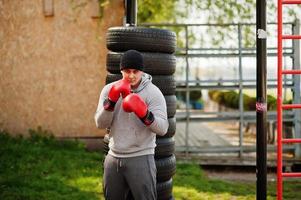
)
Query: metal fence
[{"x": 240, "y": 83}]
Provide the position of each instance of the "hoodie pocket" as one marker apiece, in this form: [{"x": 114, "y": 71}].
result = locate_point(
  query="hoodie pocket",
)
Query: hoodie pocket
[{"x": 125, "y": 140}]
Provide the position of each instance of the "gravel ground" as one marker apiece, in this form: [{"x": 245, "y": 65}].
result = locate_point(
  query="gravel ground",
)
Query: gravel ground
[{"x": 241, "y": 174}]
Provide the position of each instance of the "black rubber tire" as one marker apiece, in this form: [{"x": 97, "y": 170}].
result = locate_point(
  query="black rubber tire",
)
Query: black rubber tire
[
  {"x": 166, "y": 168},
  {"x": 164, "y": 190},
  {"x": 106, "y": 144},
  {"x": 166, "y": 84},
  {"x": 154, "y": 63},
  {"x": 171, "y": 104},
  {"x": 171, "y": 128},
  {"x": 141, "y": 39},
  {"x": 165, "y": 147}
]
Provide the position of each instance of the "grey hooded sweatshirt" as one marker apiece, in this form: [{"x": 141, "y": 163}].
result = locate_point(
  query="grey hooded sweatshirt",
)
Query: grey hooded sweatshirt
[{"x": 129, "y": 136}]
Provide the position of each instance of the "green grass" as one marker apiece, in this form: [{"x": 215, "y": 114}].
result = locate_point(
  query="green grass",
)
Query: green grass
[
  {"x": 43, "y": 168},
  {"x": 191, "y": 183},
  {"x": 40, "y": 167}
]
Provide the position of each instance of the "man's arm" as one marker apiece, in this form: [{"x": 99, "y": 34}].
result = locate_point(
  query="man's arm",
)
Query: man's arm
[
  {"x": 103, "y": 118},
  {"x": 157, "y": 106},
  {"x": 153, "y": 113},
  {"x": 107, "y": 101}
]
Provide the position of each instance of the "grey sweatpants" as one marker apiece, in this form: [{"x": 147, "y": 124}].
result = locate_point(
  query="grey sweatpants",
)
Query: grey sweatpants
[{"x": 135, "y": 174}]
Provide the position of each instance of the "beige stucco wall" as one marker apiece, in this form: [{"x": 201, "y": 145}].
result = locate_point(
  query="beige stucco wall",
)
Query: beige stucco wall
[{"x": 53, "y": 68}]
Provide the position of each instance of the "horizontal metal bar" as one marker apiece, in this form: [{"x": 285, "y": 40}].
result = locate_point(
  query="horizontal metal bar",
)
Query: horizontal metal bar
[
  {"x": 227, "y": 149},
  {"x": 248, "y": 116},
  {"x": 294, "y": 37},
  {"x": 230, "y": 49},
  {"x": 291, "y": 175},
  {"x": 287, "y": 141},
  {"x": 224, "y": 55},
  {"x": 291, "y": 106},
  {"x": 230, "y": 87},
  {"x": 291, "y": 71},
  {"x": 291, "y": 2},
  {"x": 206, "y": 24},
  {"x": 225, "y": 81}
]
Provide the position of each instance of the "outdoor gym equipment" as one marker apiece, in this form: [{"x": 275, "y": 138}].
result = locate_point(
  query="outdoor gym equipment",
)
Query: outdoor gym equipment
[
  {"x": 261, "y": 103},
  {"x": 280, "y": 105}
]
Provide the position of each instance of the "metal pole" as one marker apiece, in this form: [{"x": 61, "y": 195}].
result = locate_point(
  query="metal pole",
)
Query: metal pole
[
  {"x": 279, "y": 101},
  {"x": 296, "y": 100},
  {"x": 261, "y": 106},
  {"x": 241, "y": 100},
  {"x": 187, "y": 95},
  {"x": 131, "y": 12}
]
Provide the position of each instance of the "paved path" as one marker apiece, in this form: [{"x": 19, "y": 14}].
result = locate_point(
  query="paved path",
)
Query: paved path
[{"x": 200, "y": 134}]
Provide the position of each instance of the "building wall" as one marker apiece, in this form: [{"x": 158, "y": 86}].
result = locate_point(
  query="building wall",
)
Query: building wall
[{"x": 53, "y": 68}]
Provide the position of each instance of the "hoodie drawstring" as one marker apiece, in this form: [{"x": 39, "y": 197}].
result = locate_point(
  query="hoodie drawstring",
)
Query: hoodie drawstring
[{"x": 119, "y": 164}]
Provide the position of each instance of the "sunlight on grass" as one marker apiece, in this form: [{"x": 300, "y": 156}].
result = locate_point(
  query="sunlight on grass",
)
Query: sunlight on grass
[
  {"x": 191, "y": 183},
  {"x": 88, "y": 184},
  {"x": 184, "y": 193}
]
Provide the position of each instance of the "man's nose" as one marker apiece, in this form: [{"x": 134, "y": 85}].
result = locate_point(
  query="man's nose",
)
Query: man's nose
[{"x": 131, "y": 75}]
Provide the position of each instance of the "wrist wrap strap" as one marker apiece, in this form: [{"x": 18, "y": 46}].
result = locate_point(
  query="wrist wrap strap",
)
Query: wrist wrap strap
[
  {"x": 148, "y": 119},
  {"x": 109, "y": 105}
]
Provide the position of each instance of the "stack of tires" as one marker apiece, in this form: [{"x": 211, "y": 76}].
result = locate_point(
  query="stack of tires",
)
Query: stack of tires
[{"x": 157, "y": 47}]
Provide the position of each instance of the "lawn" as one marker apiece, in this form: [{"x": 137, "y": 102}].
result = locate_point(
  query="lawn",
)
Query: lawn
[{"x": 40, "y": 167}]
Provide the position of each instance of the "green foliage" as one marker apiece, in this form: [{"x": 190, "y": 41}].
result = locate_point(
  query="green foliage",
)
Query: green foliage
[
  {"x": 249, "y": 102},
  {"x": 231, "y": 99},
  {"x": 216, "y": 95},
  {"x": 215, "y": 12},
  {"x": 41, "y": 135},
  {"x": 46, "y": 137},
  {"x": 156, "y": 11},
  {"x": 272, "y": 102},
  {"x": 222, "y": 11},
  {"x": 230, "y": 11},
  {"x": 195, "y": 95}
]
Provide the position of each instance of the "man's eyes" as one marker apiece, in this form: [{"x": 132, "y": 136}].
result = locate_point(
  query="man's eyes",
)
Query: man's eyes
[{"x": 129, "y": 71}]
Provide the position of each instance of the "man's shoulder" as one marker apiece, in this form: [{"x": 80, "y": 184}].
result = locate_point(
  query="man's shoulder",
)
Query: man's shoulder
[
  {"x": 153, "y": 88},
  {"x": 108, "y": 86}
]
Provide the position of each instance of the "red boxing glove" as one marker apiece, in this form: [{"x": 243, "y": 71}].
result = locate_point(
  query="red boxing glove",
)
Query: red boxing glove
[
  {"x": 134, "y": 103},
  {"x": 122, "y": 87}
]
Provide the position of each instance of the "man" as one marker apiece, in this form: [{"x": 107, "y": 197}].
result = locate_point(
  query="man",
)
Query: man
[{"x": 135, "y": 111}]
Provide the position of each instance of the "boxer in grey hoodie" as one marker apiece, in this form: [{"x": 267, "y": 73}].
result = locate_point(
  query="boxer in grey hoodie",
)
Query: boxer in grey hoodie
[{"x": 134, "y": 110}]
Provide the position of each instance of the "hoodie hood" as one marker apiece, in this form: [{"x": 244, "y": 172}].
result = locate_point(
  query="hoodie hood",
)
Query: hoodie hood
[{"x": 145, "y": 80}]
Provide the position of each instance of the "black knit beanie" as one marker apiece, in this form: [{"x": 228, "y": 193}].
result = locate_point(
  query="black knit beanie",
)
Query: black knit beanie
[{"x": 131, "y": 59}]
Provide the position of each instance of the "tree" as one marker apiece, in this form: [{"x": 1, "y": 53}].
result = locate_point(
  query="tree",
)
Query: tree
[{"x": 212, "y": 11}]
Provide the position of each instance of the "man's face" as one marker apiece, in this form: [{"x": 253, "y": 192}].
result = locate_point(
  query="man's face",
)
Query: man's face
[{"x": 133, "y": 76}]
